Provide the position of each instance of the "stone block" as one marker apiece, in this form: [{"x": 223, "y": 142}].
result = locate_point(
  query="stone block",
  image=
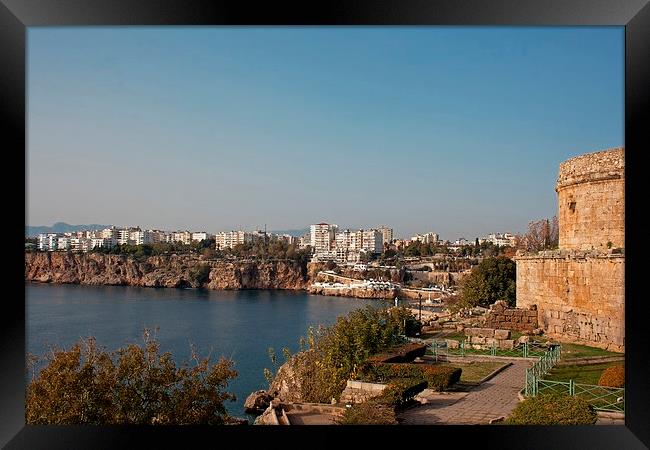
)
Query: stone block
[
  {"x": 479, "y": 332},
  {"x": 507, "y": 344},
  {"x": 491, "y": 342},
  {"x": 502, "y": 334},
  {"x": 478, "y": 340},
  {"x": 451, "y": 343}
]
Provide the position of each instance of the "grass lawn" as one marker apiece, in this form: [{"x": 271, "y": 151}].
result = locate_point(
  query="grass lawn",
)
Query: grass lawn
[
  {"x": 589, "y": 374},
  {"x": 582, "y": 351},
  {"x": 473, "y": 372}
]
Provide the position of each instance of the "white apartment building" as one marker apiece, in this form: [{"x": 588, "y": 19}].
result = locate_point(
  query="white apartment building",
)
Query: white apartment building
[
  {"x": 63, "y": 243},
  {"x": 304, "y": 241},
  {"x": 182, "y": 236},
  {"x": 199, "y": 236},
  {"x": 102, "y": 242},
  {"x": 501, "y": 240},
  {"x": 123, "y": 236},
  {"x": 228, "y": 239},
  {"x": 110, "y": 233},
  {"x": 48, "y": 241},
  {"x": 80, "y": 244},
  {"x": 157, "y": 236},
  {"x": 372, "y": 241},
  {"x": 426, "y": 238},
  {"x": 287, "y": 238},
  {"x": 322, "y": 236},
  {"x": 346, "y": 240},
  {"x": 386, "y": 234}
]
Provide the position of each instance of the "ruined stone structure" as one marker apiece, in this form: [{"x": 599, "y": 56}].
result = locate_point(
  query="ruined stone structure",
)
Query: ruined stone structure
[
  {"x": 500, "y": 316},
  {"x": 579, "y": 290}
]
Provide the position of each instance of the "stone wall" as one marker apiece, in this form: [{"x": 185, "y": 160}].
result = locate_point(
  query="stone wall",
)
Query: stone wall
[
  {"x": 580, "y": 296},
  {"x": 482, "y": 338},
  {"x": 500, "y": 316},
  {"x": 591, "y": 200},
  {"x": 579, "y": 289},
  {"x": 359, "y": 392}
]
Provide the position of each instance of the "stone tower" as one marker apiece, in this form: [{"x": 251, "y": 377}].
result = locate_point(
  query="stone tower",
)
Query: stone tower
[
  {"x": 579, "y": 289},
  {"x": 591, "y": 199}
]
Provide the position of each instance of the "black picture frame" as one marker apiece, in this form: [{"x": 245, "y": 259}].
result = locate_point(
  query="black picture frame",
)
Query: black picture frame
[{"x": 16, "y": 15}]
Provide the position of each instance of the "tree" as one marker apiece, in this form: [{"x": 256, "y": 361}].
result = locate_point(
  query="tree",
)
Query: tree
[
  {"x": 336, "y": 352},
  {"x": 199, "y": 274},
  {"x": 491, "y": 280},
  {"x": 542, "y": 234},
  {"x": 133, "y": 385}
]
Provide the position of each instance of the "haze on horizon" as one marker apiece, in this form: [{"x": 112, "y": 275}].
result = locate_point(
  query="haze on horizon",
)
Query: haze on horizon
[{"x": 456, "y": 130}]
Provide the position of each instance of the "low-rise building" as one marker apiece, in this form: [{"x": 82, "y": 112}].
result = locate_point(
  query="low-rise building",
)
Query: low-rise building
[
  {"x": 198, "y": 236},
  {"x": 184, "y": 237},
  {"x": 426, "y": 238}
]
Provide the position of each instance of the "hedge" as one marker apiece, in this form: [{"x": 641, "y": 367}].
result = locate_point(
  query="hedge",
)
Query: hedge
[
  {"x": 613, "y": 377},
  {"x": 404, "y": 353},
  {"x": 399, "y": 391},
  {"x": 437, "y": 377},
  {"x": 553, "y": 409},
  {"x": 368, "y": 413}
]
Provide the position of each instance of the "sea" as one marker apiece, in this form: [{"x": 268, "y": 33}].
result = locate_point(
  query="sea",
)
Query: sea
[{"x": 240, "y": 325}]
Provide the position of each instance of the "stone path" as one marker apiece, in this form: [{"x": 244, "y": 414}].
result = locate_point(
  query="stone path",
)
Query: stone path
[{"x": 494, "y": 398}]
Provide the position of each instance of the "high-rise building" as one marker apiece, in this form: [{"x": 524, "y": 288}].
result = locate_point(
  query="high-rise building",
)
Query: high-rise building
[
  {"x": 372, "y": 241},
  {"x": 386, "y": 233},
  {"x": 322, "y": 235}
]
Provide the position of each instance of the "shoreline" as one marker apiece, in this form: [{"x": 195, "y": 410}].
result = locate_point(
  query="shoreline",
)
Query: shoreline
[{"x": 307, "y": 290}]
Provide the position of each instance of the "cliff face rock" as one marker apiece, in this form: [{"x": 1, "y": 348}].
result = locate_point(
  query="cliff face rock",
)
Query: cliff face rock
[
  {"x": 288, "y": 384},
  {"x": 355, "y": 292},
  {"x": 162, "y": 271}
]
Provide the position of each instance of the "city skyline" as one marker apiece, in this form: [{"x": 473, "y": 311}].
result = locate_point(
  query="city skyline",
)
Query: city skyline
[{"x": 455, "y": 130}]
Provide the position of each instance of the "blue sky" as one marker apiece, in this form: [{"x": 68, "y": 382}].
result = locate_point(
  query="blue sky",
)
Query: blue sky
[{"x": 457, "y": 130}]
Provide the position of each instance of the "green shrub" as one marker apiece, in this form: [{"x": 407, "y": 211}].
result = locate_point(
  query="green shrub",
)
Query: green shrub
[
  {"x": 613, "y": 377},
  {"x": 133, "y": 385},
  {"x": 336, "y": 353},
  {"x": 437, "y": 377},
  {"x": 553, "y": 409},
  {"x": 199, "y": 274},
  {"x": 368, "y": 413},
  {"x": 403, "y": 353},
  {"x": 400, "y": 391}
]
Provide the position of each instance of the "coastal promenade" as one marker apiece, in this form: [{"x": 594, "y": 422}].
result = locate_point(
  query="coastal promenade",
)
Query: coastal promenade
[{"x": 490, "y": 400}]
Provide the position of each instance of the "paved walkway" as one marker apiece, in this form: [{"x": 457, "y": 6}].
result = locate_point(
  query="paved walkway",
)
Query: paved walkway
[{"x": 490, "y": 400}]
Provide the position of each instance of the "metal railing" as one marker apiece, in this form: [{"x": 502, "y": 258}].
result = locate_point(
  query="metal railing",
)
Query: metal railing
[
  {"x": 602, "y": 398},
  {"x": 545, "y": 363},
  {"x": 523, "y": 350}
]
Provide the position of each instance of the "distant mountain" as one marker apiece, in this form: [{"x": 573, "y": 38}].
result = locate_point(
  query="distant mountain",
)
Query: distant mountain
[
  {"x": 61, "y": 227},
  {"x": 296, "y": 233}
]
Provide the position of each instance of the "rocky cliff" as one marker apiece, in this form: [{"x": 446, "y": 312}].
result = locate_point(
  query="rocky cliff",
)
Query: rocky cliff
[{"x": 164, "y": 271}]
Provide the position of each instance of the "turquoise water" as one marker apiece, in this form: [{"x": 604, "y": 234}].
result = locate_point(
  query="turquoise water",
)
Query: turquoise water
[{"x": 240, "y": 325}]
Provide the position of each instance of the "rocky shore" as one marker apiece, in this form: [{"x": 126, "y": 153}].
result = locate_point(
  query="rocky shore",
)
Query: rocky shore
[{"x": 165, "y": 271}]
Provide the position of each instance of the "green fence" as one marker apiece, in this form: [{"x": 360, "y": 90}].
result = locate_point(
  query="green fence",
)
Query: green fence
[
  {"x": 463, "y": 348},
  {"x": 545, "y": 363},
  {"x": 602, "y": 398}
]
